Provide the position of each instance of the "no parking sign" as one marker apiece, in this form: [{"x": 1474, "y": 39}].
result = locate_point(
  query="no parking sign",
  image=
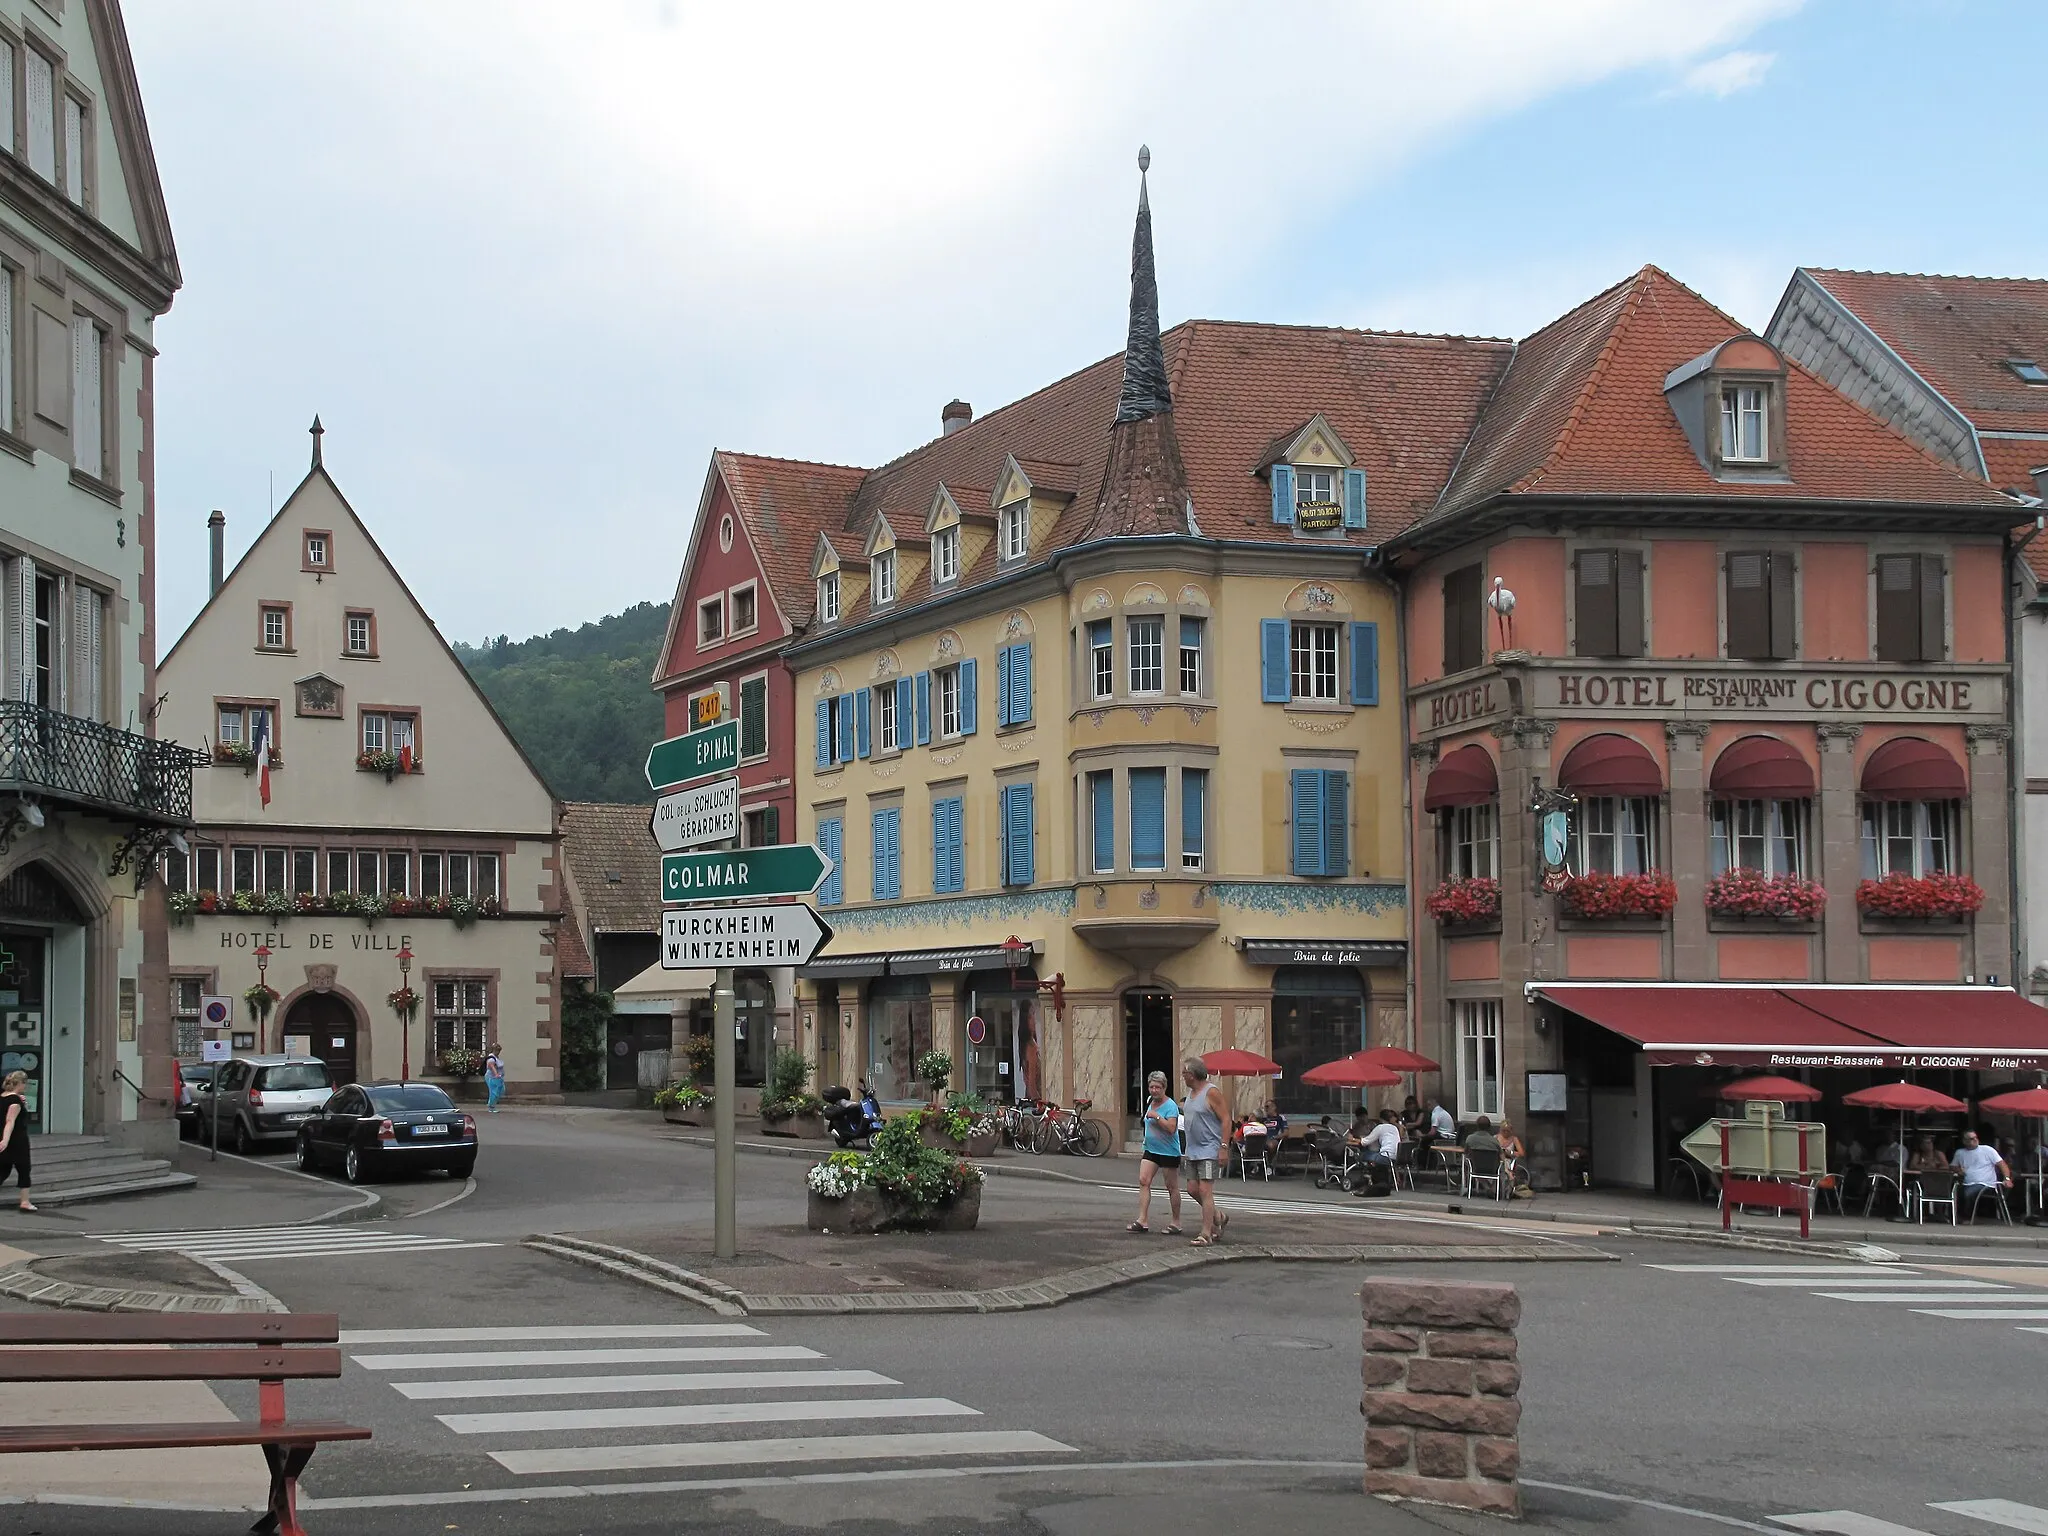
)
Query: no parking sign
[{"x": 216, "y": 1012}]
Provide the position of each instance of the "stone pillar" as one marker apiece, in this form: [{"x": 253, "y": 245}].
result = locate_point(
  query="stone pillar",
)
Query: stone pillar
[
  {"x": 1991, "y": 834},
  {"x": 1441, "y": 1376},
  {"x": 1427, "y": 959},
  {"x": 1841, "y": 851},
  {"x": 1529, "y": 945},
  {"x": 679, "y": 1042},
  {"x": 1688, "y": 856}
]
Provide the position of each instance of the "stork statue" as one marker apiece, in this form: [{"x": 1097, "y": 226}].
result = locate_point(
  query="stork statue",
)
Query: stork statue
[{"x": 1502, "y": 602}]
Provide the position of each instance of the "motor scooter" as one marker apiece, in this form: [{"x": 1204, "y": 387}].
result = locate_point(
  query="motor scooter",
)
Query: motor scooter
[{"x": 851, "y": 1121}]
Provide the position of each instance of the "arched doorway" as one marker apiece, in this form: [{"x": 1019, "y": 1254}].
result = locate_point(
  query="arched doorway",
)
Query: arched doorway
[{"x": 329, "y": 1024}]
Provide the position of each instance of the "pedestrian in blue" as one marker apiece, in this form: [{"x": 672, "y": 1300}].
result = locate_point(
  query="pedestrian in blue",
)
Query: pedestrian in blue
[{"x": 494, "y": 1077}]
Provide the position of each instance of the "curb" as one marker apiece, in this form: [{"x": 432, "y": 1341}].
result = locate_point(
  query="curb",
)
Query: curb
[
  {"x": 1034, "y": 1295},
  {"x": 812, "y": 1153},
  {"x": 25, "y": 1285}
]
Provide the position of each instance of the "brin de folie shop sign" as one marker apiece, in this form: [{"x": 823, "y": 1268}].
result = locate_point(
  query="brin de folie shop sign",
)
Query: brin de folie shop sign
[{"x": 1319, "y": 516}]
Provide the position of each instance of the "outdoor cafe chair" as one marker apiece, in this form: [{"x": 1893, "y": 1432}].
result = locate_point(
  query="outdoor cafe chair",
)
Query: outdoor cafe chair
[
  {"x": 1977, "y": 1194},
  {"x": 1404, "y": 1164},
  {"x": 1878, "y": 1179},
  {"x": 1251, "y": 1152},
  {"x": 1938, "y": 1189},
  {"x": 1486, "y": 1165},
  {"x": 1701, "y": 1180}
]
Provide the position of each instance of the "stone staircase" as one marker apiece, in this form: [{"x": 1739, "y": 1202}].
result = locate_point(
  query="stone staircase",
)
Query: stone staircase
[{"x": 69, "y": 1169}]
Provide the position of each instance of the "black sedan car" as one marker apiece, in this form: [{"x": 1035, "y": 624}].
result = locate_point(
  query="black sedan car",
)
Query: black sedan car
[{"x": 367, "y": 1129}]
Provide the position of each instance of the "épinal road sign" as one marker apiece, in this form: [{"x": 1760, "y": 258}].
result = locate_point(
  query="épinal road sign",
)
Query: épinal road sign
[
  {"x": 738, "y": 874},
  {"x": 785, "y": 934},
  {"x": 703, "y": 813},
  {"x": 715, "y": 749}
]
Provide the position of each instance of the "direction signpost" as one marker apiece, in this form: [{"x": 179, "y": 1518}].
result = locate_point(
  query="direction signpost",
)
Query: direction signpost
[
  {"x": 703, "y": 813},
  {"x": 720, "y": 936},
  {"x": 744, "y": 874},
  {"x": 695, "y": 755}
]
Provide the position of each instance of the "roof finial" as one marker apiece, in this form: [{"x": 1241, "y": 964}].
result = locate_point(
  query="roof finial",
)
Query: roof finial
[
  {"x": 1145, "y": 390},
  {"x": 318, "y": 432}
]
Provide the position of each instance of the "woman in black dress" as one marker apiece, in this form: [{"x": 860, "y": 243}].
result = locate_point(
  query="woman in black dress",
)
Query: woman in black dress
[{"x": 14, "y": 1133}]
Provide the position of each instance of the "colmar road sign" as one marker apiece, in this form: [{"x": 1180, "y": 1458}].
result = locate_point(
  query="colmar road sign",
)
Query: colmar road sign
[
  {"x": 729, "y": 936},
  {"x": 703, "y": 813},
  {"x": 697, "y": 755},
  {"x": 737, "y": 874}
]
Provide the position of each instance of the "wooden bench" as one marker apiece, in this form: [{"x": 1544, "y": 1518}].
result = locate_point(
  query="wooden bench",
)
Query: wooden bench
[{"x": 196, "y": 1353}]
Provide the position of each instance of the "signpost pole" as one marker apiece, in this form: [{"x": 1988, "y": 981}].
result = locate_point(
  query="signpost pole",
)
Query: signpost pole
[
  {"x": 213, "y": 1093},
  {"x": 725, "y": 1148}
]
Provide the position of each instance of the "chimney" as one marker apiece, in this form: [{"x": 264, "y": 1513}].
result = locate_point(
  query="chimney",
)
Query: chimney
[
  {"x": 957, "y": 414},
  {"x": 216, "y": 550}
]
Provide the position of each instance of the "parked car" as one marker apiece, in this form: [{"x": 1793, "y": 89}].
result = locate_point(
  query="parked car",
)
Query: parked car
[
  {"x": 266, "y": 1098},
  {"x": 368, "y": 1129},
  {"x": 195, "y": 1081}
]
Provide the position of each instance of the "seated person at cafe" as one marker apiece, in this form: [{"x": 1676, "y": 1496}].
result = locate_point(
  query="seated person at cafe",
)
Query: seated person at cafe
[
  {"x": 1411, "y": 1118},
  {"x": 1925, "y": 1159},
  {"x": 1982, "y": 1168},
  {"x": 1378, "y": 1141},
  {"x": 1443, "y": 1125},
  {"x": 1482, "y": 1137},
  {"x": 1516, "y": 1154},
  {"x": 1888, "y": 1155}
]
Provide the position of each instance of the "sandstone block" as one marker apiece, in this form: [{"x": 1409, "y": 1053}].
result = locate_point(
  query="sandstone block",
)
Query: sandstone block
[
  {"x": 1386, "y": 1370},
  {"x": 1452, "y": 1377},
  {"x": 1498, "y": 1378},
  {"x": 1491, "y": 1498},
  {"x": 1497, "y": 1459},
  {"x": 1439, "y": 1303},
  {"x": 1475, "y": 1344},
  {"x": 1422, "y": 1410},
  {"x": 1392, "y": 1340},
  {"x": 1387, "y": 1447},
  {"x": 1440, "y": 1455}
]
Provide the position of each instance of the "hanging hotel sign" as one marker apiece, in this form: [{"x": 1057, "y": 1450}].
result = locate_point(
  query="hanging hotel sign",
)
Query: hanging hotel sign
[{"x": 1318, "y": 516}]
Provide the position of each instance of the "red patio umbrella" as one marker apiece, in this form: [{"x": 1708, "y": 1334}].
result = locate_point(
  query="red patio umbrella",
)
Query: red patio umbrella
[
  {"x": 1783, "y": 1088},
  {"x": 1902, "y": 1096},
  {"x": 2022, "y": 1101},
  {"x": 1352, "y": 1071},
  {"x": 1236, "y": 1063},
  {"x": 1394, "y": 1059}
]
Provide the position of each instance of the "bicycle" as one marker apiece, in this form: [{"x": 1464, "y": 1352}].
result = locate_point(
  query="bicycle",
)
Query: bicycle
[
  {"x": 1068, "y": 1130},
  {"x": 1020, "y": 1124}
]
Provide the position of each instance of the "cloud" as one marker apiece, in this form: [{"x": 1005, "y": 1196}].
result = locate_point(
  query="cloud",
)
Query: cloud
[
  {"x": 1728, "y": 75},
  {"x": 531, "y": 271}
]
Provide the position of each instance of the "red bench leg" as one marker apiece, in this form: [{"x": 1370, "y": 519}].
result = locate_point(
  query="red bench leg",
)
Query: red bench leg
[{"x": 286, "y": 1463}]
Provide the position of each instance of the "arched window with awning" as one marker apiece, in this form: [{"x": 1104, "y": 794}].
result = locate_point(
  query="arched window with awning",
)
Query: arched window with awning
[
  {"x": 1464, "y": 793},
  {"x": 1912, "y": 790},
  {"x": 1614, "y": 827},
  {"x": 1762, "y": 791}
]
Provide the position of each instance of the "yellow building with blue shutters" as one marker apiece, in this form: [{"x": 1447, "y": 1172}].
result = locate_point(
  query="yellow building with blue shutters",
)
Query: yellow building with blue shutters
[{"x": 1101, "y": 698}]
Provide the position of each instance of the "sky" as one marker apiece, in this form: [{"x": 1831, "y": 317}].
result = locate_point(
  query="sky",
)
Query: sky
[{"x": 532, "y": 263}]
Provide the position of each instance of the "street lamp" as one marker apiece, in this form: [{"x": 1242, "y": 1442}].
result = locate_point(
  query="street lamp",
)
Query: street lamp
[
  {"x": 263, "y": 983},
  {"x": 405, "y": 1015}
]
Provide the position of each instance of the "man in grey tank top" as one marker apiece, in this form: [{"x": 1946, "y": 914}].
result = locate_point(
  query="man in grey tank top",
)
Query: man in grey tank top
[{"x": 1205, "y": 1120}]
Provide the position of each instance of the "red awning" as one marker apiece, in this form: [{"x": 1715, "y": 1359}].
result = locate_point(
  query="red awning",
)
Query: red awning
[
  {"x": 1907, "y": 768},
  {"x": 1761, "y": 768},
  {"x": 1611, "y": 765},
  {"x": 1842, "y": 1026},
  {"x": 1466, "y": 777}
]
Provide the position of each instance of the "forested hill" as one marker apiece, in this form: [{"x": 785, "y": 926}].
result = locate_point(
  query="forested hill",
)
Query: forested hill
[{"x": 578, "y": 701}]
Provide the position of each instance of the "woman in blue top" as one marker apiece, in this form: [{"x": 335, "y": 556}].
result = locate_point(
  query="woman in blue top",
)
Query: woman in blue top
[{"x": 1162, "y": 1152}]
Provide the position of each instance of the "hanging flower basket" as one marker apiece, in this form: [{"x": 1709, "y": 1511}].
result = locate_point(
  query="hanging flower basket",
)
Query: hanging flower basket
[
  {"x": 1951, "y": 897},
  {"x": 1742, "y": 892},
  {"x": 1472, "y": 900},
  {"x": 1608, "y": 896},
  {"x": 405, "y": 1003},
  {"x": 261, "y": 998}
]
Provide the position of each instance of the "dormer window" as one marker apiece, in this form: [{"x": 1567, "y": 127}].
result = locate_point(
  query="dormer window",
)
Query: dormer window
[
  {"x": 1314, "y": 487},
  {"x": 2028, "y": 372},
  {"x": 1745, "y": 430},
  {"x": 828, "y": 598},
  {"x": 885, "y": 577},
  {"x": 1016, "y": 530},
  {"x": 945, "y": 556}
]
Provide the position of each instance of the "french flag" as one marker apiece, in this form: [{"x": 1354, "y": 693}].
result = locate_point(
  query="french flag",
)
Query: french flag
[{"x": 259, "y": 742}]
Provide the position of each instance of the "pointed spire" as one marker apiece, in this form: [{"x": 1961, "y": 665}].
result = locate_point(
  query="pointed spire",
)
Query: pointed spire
[
  {"x": 1145, "y": 391},
  {"x": 318, "y": 432},
  {"x": 1144, "y": 484}
]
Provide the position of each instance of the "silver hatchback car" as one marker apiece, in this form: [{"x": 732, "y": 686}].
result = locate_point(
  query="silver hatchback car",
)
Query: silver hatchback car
[{"x": 263, "y": 1098}]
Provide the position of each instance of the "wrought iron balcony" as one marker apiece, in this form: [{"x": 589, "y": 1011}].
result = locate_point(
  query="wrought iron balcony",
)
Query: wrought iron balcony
[{"x": 62, "y": 759}]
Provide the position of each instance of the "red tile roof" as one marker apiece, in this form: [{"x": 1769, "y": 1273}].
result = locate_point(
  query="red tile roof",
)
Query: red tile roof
[
  {"x": 1959, "y": 333},
  {"x": 1583, "y": 412},
  {"x": 613, "y": 865},
  {"x": 785, "y": 504}
]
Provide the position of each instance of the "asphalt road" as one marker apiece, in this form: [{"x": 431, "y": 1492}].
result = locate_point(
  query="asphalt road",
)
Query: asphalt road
[{"x": 1225, "y": 1399}]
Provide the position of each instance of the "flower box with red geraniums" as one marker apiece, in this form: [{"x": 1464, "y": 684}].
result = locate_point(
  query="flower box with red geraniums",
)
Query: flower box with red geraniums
[
  {"x": 1474, "y": 899},
  {"x": 1605, "y": 896},
  {"x": 1952, "y": 897},
  {"x": 1744, "y": 892}
]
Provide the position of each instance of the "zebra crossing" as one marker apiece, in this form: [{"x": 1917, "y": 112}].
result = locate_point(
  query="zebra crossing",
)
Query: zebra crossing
[
  {"x": 721, "y": 1385},
  {"x": 244, "y": 1245},
  {"x": 2002, "y": 1291},
  {"x": 2005, "y": 1513}
]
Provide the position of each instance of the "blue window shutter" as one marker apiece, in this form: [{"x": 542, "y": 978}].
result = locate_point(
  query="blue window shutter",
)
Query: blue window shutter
[
  {"x": 1017, "y": 829},
  {"x": 1283, "y": 493},
  {"x": 967, "y": 692},
  {"x": 941, "y": 863},
  {"x": 949, "y": 865},
  {"x": 1365, "y": 663},
  {"x": 1027, "y": 835},
  {"x": 1194, "y": 794},
  {"x": 824, "y": 733},
  {"x": 1020, "y": 684},
  {"x": 830, "y": 843},
  {"x": 1003, "y": 684},
  {"x": 956, "y": 836},
  {"x": 878, "y": 863},
  {"x": 1102, "y": 797},
  {"x": 1336, "y": 822},
  {"x": 1276, "y": 686},
  {"x": 863, "y": 724},
  {"x": 905, "y": 713},
  {"x": 1354, "y": 498},
  {"x": 845, "y": 729},
  {"x": 924, "y": 709},
  {"x": 1148, "y": 818},
  {"x": 895, "y": 853},
  {"x": 1306, "y": 795}
]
